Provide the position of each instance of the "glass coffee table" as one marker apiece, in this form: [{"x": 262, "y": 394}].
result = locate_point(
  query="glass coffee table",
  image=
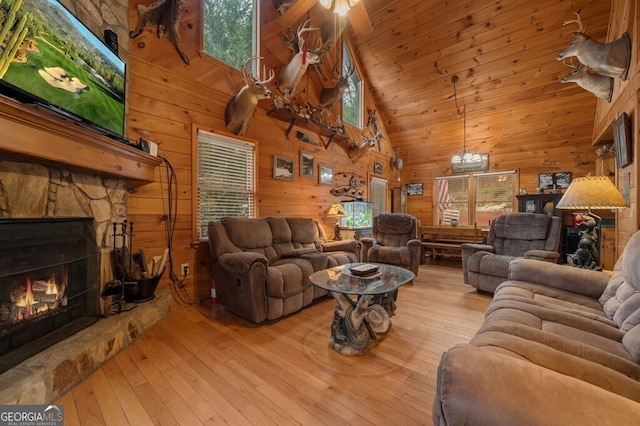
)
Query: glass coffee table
[{"x": 365, "y": 304}]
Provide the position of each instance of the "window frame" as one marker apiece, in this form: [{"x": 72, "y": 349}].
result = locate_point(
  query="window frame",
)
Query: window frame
[
  {"x": 471, "y": 212},
  {"x": 195, "y": 187},
  {"x": 346, "y": 47},
  {"x": 255, "y": 35}
]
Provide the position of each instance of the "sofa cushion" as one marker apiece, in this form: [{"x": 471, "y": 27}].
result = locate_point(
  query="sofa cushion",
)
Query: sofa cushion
[
  {"x": 395, "y": 224},
  {"x": 631, "y": 342},
  {"x": 392, "y": 255},
  {"x": 490, "y": 264},
  {"x": 518, "y": 233},
  {"x": 621, "y": 298},
  {"x": 288, "y": 277},
  {"x": 248, "y": 233},
  {"x": 279, "y": 229},
  {"x": 630, "y": 264},
  {"x": 281, "y": 237},
  {"x": 304, "y": 232},
  {"x": 522, "y": 226},
  {"x": 252, "y": 235}
]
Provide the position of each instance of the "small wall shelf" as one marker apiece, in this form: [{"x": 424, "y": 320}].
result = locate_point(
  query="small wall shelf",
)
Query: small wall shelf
[{"x": 293, "y": 119}]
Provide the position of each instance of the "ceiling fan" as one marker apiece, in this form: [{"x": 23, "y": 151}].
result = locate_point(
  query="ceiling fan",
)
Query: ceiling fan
[{"x": 358, "y": 16}]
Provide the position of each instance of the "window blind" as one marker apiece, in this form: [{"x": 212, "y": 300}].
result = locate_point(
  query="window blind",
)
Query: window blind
[
  {"x": 226, "y": 179},
  {"x": 378, "y": 188}
]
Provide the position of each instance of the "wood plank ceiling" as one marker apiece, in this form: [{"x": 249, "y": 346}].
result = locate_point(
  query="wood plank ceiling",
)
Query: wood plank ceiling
[{"x": 504, "y": 55}]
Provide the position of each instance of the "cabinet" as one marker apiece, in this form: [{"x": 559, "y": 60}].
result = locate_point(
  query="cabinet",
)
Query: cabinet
[{"x": 540, "y": 203}]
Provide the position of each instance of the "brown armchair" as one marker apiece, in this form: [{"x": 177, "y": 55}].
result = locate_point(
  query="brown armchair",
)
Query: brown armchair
[
  {"x": 528, "y": 235},
  {"x": 395, "y": 241}
]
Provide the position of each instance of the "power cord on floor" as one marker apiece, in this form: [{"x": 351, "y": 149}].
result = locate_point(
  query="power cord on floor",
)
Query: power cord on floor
[{"x": 179, "y": 289}]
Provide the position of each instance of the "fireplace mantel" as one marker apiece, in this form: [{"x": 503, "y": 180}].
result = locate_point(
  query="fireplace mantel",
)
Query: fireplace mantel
[{"x": 35, "y": 133}]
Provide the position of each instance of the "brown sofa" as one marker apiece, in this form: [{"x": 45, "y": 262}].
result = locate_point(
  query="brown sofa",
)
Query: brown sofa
[
  {"x": 261, "y": 267},
  {"x": 559, "y": 345}
]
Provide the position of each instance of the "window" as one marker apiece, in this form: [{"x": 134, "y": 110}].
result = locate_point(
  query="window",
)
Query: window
[
  {"x": 226, "y": 179},
  {"x": 231, "y": 29},
  {"x": 352, "y": 98},
  {"x": 493, "y": 194},
  {"x": 452, "y": 195},
  {"x": 378, "y": 195}
]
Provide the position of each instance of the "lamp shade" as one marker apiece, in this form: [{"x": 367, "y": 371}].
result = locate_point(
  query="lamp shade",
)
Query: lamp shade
[
  {"x": 336, "y": 210},
  {"x": 592, "y": 192}
]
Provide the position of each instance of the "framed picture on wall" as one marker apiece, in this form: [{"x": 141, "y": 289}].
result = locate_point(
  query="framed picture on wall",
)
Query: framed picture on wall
[
  {"x": 558, "y": 180},
  {"x": 377, "y": 167},
  {"x": 325, "y": 175},
  {"x": 307, "y": 164},
  {"x": 622, "y": 140},
  {"x": 414, "y": 188},
  {"x": 283, "y": 168}
]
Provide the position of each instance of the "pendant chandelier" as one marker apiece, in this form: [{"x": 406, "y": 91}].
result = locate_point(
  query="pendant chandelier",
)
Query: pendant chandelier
[
  {"x": 341, "y": 7},
  {"x": 466, "y": 157}
]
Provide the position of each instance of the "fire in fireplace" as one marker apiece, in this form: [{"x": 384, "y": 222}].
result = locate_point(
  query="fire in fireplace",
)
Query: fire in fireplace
[{"x": 49, "y": 284}]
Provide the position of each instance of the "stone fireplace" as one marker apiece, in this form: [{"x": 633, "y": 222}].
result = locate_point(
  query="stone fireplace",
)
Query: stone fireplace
[
  {"x": 55, "y": 257},
  {"x": 49, "y": 284}
]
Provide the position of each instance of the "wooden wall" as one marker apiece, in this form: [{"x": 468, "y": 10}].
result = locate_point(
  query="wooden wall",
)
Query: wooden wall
[
  {"x": 625, "y": 15},
  {"x": 168, "y": 99},
  {"x": 504, "y": 55},
  {"x": 517, "y": 127}
]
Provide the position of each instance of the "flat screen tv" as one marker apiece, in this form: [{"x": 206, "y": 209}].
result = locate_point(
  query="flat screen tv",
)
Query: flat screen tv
[{"x": 54, "y": 61}]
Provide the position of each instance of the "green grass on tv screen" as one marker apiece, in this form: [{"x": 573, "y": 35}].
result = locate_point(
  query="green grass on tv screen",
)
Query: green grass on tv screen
[{"x": 98, "y": 103}]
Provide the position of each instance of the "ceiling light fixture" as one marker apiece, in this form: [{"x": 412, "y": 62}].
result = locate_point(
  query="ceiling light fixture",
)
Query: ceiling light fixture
[
  {"x": 341, "y": 7},
  {"x": 467, "y": 157}
]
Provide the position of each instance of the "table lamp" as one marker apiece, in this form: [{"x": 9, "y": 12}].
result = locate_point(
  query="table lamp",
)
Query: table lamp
[
  {"x": 337, "y": 211},
  {"x": 590, "y": 192}
]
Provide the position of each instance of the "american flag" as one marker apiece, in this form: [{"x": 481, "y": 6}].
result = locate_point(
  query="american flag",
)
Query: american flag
[{"x": 443, "y": 194}]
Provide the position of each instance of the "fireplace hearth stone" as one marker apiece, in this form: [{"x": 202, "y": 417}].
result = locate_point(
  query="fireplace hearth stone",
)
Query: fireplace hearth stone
[{"x": 45, "y": 377}]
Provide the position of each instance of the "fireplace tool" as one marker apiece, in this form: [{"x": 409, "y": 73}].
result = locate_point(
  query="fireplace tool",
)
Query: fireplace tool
[{"x": 124, "y": 282}]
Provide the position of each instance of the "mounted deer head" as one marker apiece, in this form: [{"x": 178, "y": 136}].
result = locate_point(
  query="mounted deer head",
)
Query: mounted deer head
[
  {"x": 599, "y": 85},
  {"x": 291, "y": 74},
  {"x": 239, "y": 110},
  {"x": 610, "y": 59},
  {"x": 329, "y": 96}
]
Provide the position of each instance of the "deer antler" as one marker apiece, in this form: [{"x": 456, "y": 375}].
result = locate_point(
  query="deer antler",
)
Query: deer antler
[
  {"x": 570, "y": 65},
  {"x": 304, "y": 29},
  {"x": 249, "y": 77},
  {"x": 578, "y": 21}
]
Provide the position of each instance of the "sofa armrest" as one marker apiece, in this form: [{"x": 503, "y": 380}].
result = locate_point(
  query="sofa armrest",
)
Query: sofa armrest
[
  {"x": 544, "y": 255},
  {"x": 564, "y": 277},
  {"x": 367, "y": 243},
  {"x": 473, "y": 247},
  {"x": 240, "y": 263},
  {"x": 466, "y": 251},
  {"x": 498, "y": 389},
  {"x": 353, "y": 246},
  {"x": 241, "y": 284}
]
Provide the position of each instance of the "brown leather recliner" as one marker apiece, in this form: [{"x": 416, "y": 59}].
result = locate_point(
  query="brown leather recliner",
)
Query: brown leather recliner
[
  {"x": 513, "y": 235},
  {"x": 395, "y": 241}
]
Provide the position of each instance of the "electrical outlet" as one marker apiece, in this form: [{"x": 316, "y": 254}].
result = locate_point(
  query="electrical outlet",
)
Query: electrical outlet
[{"x": 185, "y": 269}]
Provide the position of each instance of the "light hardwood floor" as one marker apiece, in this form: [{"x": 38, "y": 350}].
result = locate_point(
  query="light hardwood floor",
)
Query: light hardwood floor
[{"x": 202, "y": 365}]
